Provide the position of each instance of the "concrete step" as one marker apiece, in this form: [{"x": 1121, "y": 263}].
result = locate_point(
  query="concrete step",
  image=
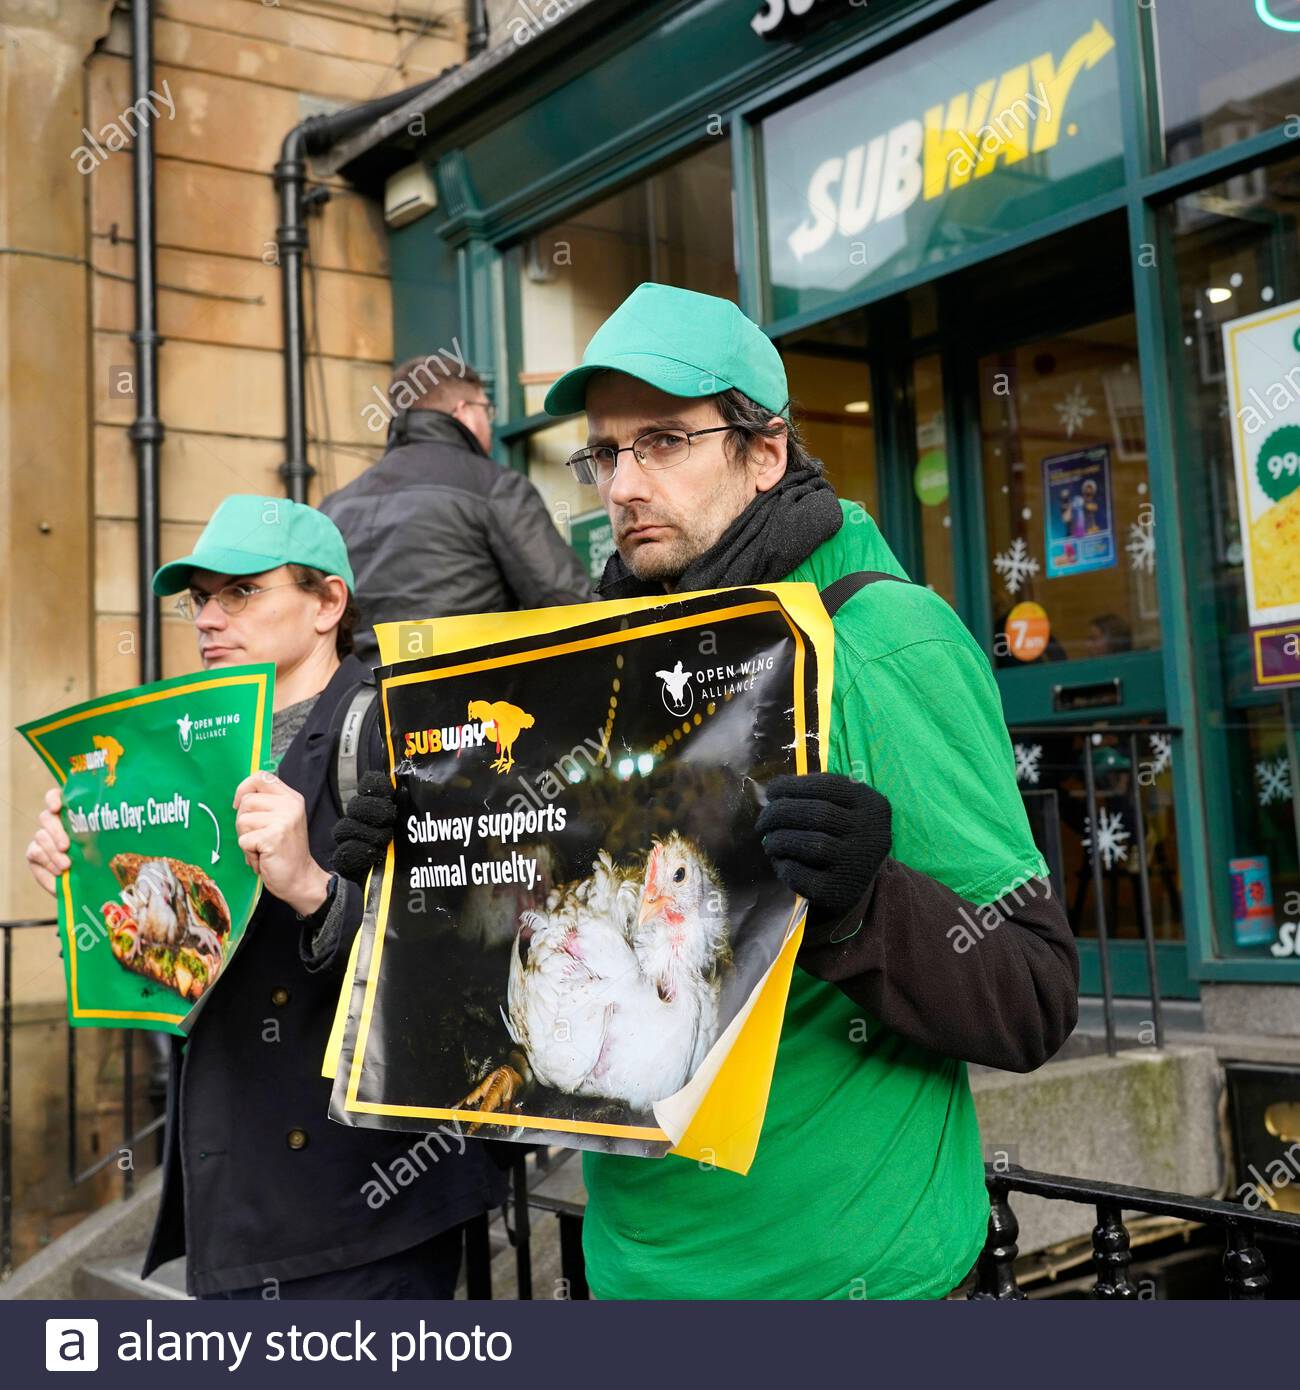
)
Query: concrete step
[{"x": 118, "y": 1278}]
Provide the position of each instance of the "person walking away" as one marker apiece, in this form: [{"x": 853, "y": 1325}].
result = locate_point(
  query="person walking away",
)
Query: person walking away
[{"x": 436, "y": 527}]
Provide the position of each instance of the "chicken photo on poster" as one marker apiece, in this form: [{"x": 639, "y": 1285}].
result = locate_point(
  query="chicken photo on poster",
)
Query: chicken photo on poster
[{"x": 578, "y": 905}]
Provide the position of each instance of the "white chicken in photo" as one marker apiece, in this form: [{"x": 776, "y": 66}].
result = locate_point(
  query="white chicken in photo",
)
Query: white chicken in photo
[
  {"x": 571, "y": 968},
  {"x": 613, "y": 986},
  {"x": 681, "y": 944}
]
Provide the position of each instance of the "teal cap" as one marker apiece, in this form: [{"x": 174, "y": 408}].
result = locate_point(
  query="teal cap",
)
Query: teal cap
[
  {"x": 249, "y": 535},
  {"x": 683, "y": 342}
]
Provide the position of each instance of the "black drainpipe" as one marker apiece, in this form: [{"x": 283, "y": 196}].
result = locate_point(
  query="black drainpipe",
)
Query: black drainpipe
[
  {"x": 146, "y": 431},
  {"x": 291, "y": 243},
  {"x": 477, "y": 25},
  {"x": 312, "y": 136}
]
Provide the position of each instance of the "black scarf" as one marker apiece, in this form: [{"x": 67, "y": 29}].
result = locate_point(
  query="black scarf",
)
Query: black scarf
[{"x": 777, "y": 531}]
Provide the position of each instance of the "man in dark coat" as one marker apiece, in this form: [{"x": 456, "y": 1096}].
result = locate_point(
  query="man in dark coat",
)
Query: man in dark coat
[
  {"x": 436, "y": 527},
  {"x": 264, "y": 1195}
]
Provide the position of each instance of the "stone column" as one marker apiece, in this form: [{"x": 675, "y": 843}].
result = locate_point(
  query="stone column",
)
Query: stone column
[{"x": 45, "y": 422}]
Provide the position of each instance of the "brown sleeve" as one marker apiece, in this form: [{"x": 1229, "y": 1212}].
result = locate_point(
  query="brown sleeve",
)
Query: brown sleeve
[{"x": 994, "y": 983}]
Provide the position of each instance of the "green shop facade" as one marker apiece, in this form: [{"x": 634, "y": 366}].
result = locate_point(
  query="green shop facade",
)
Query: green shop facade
[{"x": 996, "y": 244}]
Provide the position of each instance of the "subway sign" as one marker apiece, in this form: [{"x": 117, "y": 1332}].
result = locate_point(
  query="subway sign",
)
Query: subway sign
[
  {"x": 778, "y": 18},
  {"x": 1001, "y": 119}
]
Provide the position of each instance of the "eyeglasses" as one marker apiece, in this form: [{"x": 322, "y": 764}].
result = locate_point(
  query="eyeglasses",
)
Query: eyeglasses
[
  {"x": 653, "y": 449},
  {"x": 486, "y": 406},
  {"x": 232, "y": 599}
]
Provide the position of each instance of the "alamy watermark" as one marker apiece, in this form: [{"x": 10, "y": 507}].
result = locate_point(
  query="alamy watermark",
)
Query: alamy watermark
[{"x": 119, "y": 133}]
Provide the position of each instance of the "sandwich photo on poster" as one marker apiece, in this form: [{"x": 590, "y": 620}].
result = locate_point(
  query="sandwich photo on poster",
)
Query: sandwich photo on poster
[
  {"x": 1078, "y": 517},
  {"x": 577, "y": 930},
  {"x": 159, "y": 893}
]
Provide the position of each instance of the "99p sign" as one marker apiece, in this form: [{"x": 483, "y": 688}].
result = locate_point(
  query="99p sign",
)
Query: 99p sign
[{"x": 1278, "y": 465}]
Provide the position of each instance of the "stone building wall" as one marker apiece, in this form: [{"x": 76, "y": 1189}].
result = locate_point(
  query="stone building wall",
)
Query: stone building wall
[{"x": 231, "y": 78}]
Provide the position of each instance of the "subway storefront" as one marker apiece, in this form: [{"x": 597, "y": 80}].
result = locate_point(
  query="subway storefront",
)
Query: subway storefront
[{"x": 1033, "y": 268}]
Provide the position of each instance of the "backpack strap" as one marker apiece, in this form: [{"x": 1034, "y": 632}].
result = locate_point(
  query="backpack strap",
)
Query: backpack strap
[
  {"x": 836, "y": 594},
  {"x": 360, "y": 709}
]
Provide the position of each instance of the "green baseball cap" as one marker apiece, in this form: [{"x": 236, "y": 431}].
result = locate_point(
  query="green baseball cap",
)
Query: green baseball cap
[
  {"x": 249, "y": 535},
  {"x": 683, "y": 342}
]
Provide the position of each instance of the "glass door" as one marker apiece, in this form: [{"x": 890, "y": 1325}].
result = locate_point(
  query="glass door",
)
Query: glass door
[
  {"x": 828, "y": 368},
  {"x": 1073, "y": 625},
  {"x": 931, "y": 479}
]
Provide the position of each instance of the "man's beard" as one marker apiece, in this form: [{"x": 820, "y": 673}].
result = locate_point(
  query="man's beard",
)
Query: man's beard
[
  {"x": 663, "y": 562},
  {"x": 693, "y": 533}
]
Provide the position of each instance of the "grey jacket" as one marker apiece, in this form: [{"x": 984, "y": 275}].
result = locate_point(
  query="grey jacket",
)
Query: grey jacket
[{"x": 438, "y": 528}]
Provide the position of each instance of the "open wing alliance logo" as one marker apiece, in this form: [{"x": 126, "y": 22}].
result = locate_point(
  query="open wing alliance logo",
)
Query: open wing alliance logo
[{"x": 676, "y": 690}]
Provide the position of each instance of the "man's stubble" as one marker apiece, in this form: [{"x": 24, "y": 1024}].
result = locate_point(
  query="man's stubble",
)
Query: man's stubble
[{"x": 666, "y": 562}]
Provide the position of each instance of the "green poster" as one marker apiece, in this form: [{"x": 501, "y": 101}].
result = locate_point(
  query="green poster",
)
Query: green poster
[{"x": 158, "y": 895}]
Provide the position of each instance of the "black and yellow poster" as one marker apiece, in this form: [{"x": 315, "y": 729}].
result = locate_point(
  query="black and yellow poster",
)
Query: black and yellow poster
[
  {"x": 577, "y": 937},
  {"x": 159, "y": 893}
]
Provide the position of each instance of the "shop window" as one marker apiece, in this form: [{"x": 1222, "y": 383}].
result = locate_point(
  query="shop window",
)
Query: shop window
[
  {"x": 1133, "y": 787},
  {"x": 829, "y": 372},
  {"x": 1237, "y": 263},
  {"x": 674, "y": 227},
  {"x": 1071, "y": 527},
  {"x": 930, "y": 479},
  {"x": 547, "y": 453},
  {"x": 1227, "y": 71}
]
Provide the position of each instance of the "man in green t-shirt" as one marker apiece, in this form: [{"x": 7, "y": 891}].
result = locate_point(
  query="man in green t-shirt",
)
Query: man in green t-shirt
[
  {"x": 932, "y": 940},
  {"x": 932, "y": 937}
]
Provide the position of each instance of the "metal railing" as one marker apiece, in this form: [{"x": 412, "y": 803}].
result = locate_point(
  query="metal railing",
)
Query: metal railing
[
  {"x": 1245, "y": 1270},
  {"x": 1129, "y": 733},
  {"x": 131, "y": 1137}
]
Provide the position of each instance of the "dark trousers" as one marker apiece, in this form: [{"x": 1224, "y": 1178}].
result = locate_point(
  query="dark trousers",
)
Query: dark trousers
[{"x": 429, "y": 1270}]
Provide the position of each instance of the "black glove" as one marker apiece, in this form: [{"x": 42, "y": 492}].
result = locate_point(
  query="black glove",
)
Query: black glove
[
  {"x": 362, "y": 836},
  {"x": 827, "y": 836}
]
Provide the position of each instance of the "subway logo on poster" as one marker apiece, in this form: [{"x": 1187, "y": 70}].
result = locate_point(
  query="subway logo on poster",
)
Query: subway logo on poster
[{"x": 888, "y": 154}]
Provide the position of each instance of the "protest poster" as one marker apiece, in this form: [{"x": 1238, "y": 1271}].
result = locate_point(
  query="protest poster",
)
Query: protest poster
[
  {"x": 159, "y": 893},
  {"x": 1261, "y": 355},
  {"x": 1078, "y": 515},
  {"x": 577, "y": 938}
]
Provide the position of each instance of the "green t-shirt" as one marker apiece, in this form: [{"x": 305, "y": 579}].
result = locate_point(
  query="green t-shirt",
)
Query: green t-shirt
[{"x": 869, "y": 1177}]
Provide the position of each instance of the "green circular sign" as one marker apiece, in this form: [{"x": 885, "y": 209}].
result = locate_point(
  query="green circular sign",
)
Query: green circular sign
[
  {"x": 931, "y": 477},
  {"x": 1278, "y": 465}
]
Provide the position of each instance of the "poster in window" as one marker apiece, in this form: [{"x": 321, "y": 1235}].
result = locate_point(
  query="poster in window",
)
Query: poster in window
[
  {"x": 1079, "y": 519},
  {"x": 1262, "y": 356}
]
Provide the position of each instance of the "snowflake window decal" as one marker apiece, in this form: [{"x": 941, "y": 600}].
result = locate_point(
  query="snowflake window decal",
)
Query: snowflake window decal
[
  {"x": 1112, "y": 837},
  {"x": 1015, "y": 565},
  {"x": 1273, "y": 779},
  {"x": 1162, "y": 753},
  {"x": 1028, "y": 762},
  {"x": 1141, "y": 546},
  {"x": 1074, "y": 409}
]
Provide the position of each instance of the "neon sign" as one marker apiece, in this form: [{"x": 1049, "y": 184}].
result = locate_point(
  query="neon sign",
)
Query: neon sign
[{"x": 1266, "y": 15}]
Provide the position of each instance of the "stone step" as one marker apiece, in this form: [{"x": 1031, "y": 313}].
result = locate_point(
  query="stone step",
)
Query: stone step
[{"x": 119, "y": 1278}]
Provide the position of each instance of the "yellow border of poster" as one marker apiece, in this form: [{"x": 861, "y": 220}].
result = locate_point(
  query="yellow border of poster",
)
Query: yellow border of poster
[{"x": 799, "y": 604}]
